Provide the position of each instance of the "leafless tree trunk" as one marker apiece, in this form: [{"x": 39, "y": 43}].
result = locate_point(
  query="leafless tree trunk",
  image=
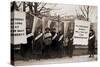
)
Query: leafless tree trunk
[
  {"x": 14, "y": 6},
  {"x": 86, "y": 12}
]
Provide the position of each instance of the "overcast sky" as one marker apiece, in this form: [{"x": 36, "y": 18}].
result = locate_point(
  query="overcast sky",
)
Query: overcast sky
[
  {"x": 63, "y": 9},
  {"x": 68, "y": 9}
]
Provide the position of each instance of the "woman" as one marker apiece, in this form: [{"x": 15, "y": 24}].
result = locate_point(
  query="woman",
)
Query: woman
[
  {"x": 91, "y": 45},
  {"x": 70, "y": 43},
  {"x": 38, "y": 44}
]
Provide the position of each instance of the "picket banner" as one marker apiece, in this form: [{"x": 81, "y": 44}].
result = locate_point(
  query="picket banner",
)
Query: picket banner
[
  {"x": 34, "y": 24},
  {"x": 49, "y": 22},
  {"x": 81, "y": 32},
  {"x": 43, "y": 24},
  {"x": 18, "y": 28}
]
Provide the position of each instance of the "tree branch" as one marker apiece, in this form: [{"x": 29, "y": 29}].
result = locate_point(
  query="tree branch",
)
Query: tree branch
[
  {"x": 42, "y": 7},
  {"x": 83, "y": 12}
]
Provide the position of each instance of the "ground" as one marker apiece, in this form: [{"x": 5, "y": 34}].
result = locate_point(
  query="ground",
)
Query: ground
[{"x": 82, "y": 58}]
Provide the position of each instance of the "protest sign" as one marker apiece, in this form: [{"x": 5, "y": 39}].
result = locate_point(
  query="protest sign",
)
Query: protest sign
[
  {"x": 18, "y": 28},
  {"x": 81, "y": 32}
]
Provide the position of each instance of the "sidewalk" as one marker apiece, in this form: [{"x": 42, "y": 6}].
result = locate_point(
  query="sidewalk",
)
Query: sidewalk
[{"x": 83, "y": 58}]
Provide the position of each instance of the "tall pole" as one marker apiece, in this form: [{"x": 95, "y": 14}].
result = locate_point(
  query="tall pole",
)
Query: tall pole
[
  {"x": 24, "y": 7},
  {"x": 35, "y": 8},
  {"x": 58, "y": 22},
  {"x": 88, "y": 13}
]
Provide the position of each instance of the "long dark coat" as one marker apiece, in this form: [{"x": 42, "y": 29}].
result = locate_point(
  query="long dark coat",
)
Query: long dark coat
[
  {"x": 70, "y": 44},
  {"x": 91, "y": 45},
  {"x": 54, "y": 41},
  {"x": 37, "y": 44}
]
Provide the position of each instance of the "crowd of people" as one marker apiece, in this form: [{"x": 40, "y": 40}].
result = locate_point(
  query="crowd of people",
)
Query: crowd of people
[
  {"x": 47, "y": 44},
  {"x": 43, "y": 44}
]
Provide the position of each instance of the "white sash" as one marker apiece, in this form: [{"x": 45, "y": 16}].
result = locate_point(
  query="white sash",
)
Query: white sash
[
  {"x": 60, "y": 37},
  {"x": 31, "y": 34},
  {"x": 47, "y": 35},
  {"x": 37, "y": 37},
  {"x": 91, "y": 37},
  {"x": 54, "y": 36}
]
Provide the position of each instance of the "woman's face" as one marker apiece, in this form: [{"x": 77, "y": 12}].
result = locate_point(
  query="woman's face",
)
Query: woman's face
[
  {"x": 39, "y": 30},
  {"x": 71, "y": 31},
  {"x": 47, "y": 30},
  {"x": 28, "y": 30},
  {"x": 90, "y": 32}
]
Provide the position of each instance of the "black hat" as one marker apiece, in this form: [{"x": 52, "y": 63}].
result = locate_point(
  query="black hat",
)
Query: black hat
[{"x": 47, "y": 28}]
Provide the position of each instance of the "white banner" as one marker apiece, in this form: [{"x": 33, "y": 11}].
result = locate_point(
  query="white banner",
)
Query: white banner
[
  {"x": 34, "y": 24},
  {"x": 43, "y": 23},
  {"x": 81, "y": 32},
  {"x": 49, "y": 22},
  {"x": 18, "y": 28}
]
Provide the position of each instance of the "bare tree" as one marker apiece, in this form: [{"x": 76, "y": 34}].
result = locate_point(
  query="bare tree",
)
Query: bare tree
[
  {"x": 14, "y": 6},
  {"x": 86, "y": 12}
]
